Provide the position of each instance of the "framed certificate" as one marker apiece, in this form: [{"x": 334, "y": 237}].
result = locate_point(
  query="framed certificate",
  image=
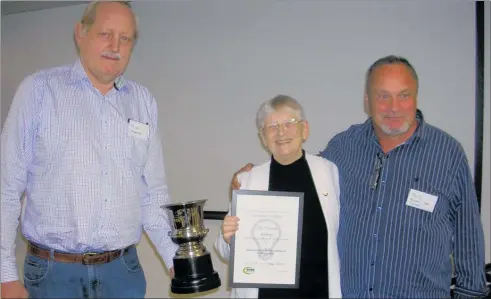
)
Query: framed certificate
[{"x": 265, "y": 250}]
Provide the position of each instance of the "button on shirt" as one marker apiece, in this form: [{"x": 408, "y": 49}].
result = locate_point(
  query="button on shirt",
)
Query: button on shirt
[
  {"x": 90, "y": 184},
  {"x": 390, "y": 249}
]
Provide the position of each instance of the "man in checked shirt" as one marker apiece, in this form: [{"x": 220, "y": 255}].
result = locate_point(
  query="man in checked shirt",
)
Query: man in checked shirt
[
  {"x": 407, "y": 198},
  {"x": 82, "y": 142}
]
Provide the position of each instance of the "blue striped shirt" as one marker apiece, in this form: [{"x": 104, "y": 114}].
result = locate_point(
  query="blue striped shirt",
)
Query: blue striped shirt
[
  {"x": 390, "y": 249},
  {"x": 90, "y": 185}
]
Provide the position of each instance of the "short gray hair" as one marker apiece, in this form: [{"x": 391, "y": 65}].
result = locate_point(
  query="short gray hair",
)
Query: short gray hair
[
  {"x": 387, "y": 60},
  {"x": 90, "y": 12},
  {"x": 88, "y": 17},
  {"x": 275, "y": 104}
]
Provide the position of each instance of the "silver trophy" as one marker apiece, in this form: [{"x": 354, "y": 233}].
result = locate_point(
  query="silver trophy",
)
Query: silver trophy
[{"x": 193, "y": 268}]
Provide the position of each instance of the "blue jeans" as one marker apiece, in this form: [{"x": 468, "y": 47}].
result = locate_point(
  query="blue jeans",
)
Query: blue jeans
[{"x": 121, "y": 278}]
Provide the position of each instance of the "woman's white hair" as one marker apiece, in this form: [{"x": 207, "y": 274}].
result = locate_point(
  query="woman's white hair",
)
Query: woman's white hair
[{"x": 277, "y": 103}]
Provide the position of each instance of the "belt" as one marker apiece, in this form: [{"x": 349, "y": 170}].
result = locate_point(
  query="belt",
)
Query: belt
[{"x": 90, "y": 258}]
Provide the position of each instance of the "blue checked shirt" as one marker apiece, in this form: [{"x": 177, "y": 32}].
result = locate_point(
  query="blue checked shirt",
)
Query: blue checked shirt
[
  {"x": 90, "y": 185},
  {"x": 390, "y": 249}
]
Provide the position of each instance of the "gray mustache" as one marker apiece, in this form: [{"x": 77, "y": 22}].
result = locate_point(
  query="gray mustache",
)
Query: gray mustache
[{"x": 111, "y": 55}]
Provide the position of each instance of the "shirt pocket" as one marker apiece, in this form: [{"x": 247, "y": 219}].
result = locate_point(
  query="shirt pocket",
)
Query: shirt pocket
[
  {"x": 137, "y": 151},
  {"x": 426, "y": 220}
]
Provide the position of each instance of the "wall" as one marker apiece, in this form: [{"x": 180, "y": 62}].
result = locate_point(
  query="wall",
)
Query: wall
[{"x": 210, "y": 64}]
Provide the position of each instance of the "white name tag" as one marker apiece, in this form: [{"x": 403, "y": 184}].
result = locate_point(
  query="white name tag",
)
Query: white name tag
[
  {"x": 421, "y": 200},
  {"x": 138, "y": 130}
]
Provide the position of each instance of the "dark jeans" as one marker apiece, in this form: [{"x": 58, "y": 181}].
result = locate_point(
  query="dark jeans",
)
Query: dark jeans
[{"x": 121, "y": 278}]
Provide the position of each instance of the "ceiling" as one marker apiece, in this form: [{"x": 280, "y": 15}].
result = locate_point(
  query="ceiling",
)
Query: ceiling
[{"x": 13, "y": 7}]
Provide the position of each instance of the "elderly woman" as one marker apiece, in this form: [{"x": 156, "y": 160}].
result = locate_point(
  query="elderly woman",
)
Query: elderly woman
[{"x": 283, "y": 130}]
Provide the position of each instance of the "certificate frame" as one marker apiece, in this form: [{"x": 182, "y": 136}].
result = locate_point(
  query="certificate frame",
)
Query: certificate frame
[{"x": 294, "y": 209}]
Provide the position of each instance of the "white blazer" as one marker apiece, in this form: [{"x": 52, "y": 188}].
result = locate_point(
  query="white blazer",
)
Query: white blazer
[{"x": 326, "y": 180}]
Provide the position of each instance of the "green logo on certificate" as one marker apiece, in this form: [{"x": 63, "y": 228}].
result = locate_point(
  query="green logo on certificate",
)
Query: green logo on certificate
[{"x": 248, "y": 270}]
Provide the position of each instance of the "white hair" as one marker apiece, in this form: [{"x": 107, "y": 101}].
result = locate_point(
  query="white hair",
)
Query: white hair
[{"x": 277, "y": 103}]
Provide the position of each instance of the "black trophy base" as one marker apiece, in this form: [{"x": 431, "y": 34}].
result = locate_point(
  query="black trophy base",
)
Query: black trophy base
[{"x": 194, "y": 275}]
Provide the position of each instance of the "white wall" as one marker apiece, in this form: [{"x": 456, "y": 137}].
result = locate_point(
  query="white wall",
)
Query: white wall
[{"x": 210, "y": 64}]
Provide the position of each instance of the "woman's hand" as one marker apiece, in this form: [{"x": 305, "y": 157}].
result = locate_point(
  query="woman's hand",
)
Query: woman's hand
[{"x": 229, "y": 227}]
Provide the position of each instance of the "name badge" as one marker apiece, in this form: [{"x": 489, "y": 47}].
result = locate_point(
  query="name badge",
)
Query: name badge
[
  {"x": 421, "y": 200},
  {"x": 138, "y": 130}
]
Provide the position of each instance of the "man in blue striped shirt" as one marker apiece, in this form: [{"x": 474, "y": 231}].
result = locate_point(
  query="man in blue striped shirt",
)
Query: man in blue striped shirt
[
  {"x": 83, "y": 143},
  {"x": 407, "y": 198}
]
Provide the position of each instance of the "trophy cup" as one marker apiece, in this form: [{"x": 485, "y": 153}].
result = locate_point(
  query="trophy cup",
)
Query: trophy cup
[{"x": 193, "y": 268}]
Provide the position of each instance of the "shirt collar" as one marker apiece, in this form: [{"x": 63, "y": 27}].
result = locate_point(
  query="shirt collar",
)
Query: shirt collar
[
  {"x": 421, "y": 131},
  {"x": 419, "y": 134},
  {"x": 78, "y": 73}
]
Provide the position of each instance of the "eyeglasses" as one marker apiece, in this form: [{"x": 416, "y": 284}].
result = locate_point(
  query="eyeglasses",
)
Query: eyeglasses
[
  {"x": 375, "y": 177},
  {"x": 274, "y": 128}
]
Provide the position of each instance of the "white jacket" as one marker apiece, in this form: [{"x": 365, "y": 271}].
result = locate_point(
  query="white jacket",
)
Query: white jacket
[{"x": 326, "y": 180}]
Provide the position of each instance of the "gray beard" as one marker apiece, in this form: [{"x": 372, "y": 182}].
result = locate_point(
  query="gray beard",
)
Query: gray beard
[{"x": 396, "y": 131}]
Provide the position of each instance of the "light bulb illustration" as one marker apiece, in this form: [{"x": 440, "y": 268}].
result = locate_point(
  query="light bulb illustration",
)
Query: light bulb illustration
[{"x": 266, "y": 233}]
